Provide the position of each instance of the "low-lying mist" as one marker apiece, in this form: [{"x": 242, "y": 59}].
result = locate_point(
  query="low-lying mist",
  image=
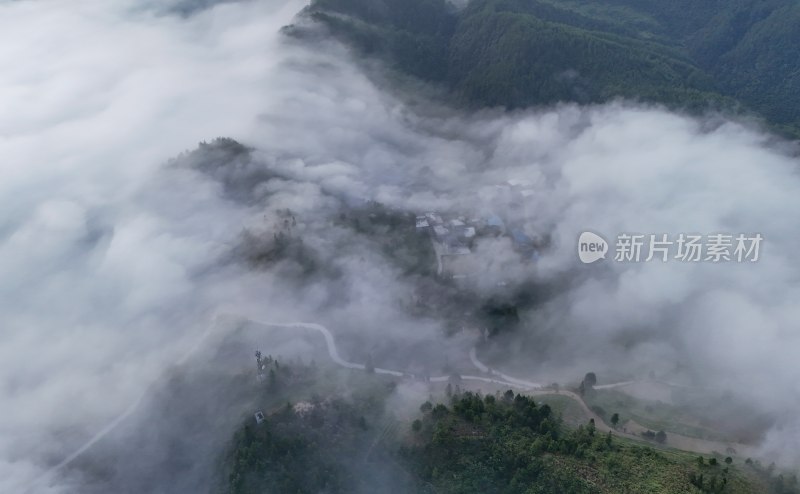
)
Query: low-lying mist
[{"x": 116, "y": 259}]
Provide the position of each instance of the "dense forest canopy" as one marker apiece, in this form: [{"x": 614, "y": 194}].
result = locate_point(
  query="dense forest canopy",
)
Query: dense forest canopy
[
  {"x": 500, "y": 443},
  {"x": 694, "y": 55}
]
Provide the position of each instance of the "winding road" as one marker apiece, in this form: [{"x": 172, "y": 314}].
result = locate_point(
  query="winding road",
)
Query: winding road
[
  {"x": 495, "y": 377},
  {"x": 678, "y": 441},
  {"x": 333, "y": 353}
]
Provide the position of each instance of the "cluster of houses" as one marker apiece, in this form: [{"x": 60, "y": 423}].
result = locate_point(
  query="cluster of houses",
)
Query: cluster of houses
[{"x": 454, "y": 239}]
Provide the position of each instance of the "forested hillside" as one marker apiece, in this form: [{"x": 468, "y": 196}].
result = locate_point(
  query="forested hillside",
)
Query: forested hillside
[
  {"x": 494, "y": 444},
  {"x": 691, "y": 55}
]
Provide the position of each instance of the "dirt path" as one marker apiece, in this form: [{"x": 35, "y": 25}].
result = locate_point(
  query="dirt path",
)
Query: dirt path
[{"x": 631, "y": 429}]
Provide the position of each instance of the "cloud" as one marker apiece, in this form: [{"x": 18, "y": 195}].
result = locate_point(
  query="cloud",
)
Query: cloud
[
  {"x": 613, "y": 168},
  {"x": 101, "y": 250},
  {"x": 112, "y": 264}
]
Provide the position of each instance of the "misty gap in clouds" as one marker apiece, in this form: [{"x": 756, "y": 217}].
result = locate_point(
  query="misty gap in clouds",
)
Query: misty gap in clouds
[{"x": 113, "y": 264}]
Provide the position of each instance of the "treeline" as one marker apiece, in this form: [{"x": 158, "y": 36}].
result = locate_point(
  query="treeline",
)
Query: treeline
[
  {"x": 510, "y": 444},
  {"x": 295, "y": 454},
  {"x": 312, "y": 443},
  {"x": 692, "y": 55},
  {"x": 499, "y": 445},
  {"x": 495, "y": 444}
]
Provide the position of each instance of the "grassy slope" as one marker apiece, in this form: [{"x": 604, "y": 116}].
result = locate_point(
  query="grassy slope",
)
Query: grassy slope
[{"x": 654, "y": 416}]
